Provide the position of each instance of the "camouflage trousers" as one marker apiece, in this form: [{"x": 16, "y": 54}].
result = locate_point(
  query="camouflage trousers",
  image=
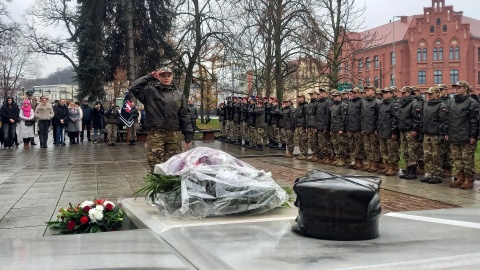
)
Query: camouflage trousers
[
  {"x": 433, "y": 155},
  {"x": 252, "y": 135},
  {"x": 446, "y": 155},
  {"x": 273, "y": 133},
  {"x": 245, "y": 135},
  {"x": 302, "y": 138},
  {"x": 371, "y": 145},
  {"x": 339, "y": 144},
  {"x": 355, "y": 141},
  {"x": 421, "y": 154},
  {"x": 237, "y": 132},
  {"x": 228, "y": 124},
  {"x": 162, "y": 145},
  {"x": 464, "y": 157},
  {"x": 112, "y": 133},
  {"x": 325, "y": 143},
  {"x": 313, "y": 140},
  {"x": 260, "y": 132},
  {"x": 223, "y": 129},
  {"x": 287, "y": 138},
  {"x": 132, "y": 130},
  {"x": 389, "y": 151},
  {"x": 410, "y": 145}
]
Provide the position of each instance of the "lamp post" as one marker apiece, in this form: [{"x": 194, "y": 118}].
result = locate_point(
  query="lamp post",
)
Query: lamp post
[{"x": 394, "y": 76}]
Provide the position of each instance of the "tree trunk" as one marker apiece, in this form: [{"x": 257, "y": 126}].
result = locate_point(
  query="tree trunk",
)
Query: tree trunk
[
  {"x": 196, "y": 52},
  {"x": 278, "y": 48},
  {"x": 130, "y": 47}
]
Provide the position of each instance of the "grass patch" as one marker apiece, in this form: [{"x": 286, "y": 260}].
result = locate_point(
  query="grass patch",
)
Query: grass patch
[{"x": 213, "y": 124}]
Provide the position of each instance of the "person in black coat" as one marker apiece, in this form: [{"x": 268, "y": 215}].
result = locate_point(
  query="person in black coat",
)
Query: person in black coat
[
  {"x": 98, "y": 123},
  {"x": 60, "y": 121},
  {"x": 86, "y": 120},
  {"x": 9, "y": 115}
]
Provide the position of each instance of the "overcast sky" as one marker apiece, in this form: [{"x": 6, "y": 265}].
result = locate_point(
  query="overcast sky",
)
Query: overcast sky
[{"x": 378, "y": 12}]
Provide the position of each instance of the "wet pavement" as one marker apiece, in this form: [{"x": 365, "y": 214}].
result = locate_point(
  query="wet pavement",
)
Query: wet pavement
[{"x": 35, "y": 182}]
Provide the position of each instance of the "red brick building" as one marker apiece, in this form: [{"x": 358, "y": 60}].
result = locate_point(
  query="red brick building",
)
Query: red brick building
[{"x": 439, "y": 46}]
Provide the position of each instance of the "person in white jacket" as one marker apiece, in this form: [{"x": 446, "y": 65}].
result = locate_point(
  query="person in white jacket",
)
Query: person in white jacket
[
  {"x": 27, "y": 122},
  {"x": 80, "y": 124}
]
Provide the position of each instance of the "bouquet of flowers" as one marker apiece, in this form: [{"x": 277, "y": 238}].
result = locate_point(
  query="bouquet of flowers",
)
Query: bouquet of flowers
[{"x": 88, "y": 217}]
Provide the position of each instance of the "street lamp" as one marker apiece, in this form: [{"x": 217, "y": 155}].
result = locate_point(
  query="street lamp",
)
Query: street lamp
[{"x": 394, "y": 76}]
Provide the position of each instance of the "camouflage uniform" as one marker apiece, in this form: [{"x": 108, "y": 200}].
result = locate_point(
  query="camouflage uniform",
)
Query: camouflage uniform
[
  {"x": 236, "y": 133},
  {"x": 369, "y": 124},
  {"x": 355, "y": 139},
  {"x": 312, "y": 133},
  {"x": 338, "y": 119},
  {"x": 251, "y": 125},
  {"x": 162, "y": 145},
  {"x": 112, "y": 133},
  {"x": 388, "y": 127},
  {"x": 409, "y": 117},
  {"x": 322, "y": 123},
  {"x": 301, "y": 128},
  {"x": 445, "y": 145},
  {"x": 287, "y": 127}
]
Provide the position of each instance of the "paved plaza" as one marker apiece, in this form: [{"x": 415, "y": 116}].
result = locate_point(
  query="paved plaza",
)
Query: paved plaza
[{"x": 35, "y": 182}]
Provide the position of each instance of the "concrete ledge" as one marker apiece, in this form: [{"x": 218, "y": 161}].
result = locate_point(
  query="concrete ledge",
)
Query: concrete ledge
[{"x": 142, "y": 216}]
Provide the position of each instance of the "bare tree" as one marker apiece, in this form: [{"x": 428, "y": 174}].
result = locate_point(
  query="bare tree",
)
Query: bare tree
[
  {"x": 17, "y": 62},
  {"x": 7, "y": 26}
]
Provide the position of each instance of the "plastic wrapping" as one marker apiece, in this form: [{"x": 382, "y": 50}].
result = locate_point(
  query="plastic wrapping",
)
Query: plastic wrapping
[{"x": 214, "y": 183}]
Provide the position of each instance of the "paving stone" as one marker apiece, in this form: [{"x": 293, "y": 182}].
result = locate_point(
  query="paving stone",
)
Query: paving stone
[
  {"x": 22, "y": 233},
  {"x": 29, "y": 211},
  {"x": 35, "y": 203},
  {"x": 21, "y": 222}
]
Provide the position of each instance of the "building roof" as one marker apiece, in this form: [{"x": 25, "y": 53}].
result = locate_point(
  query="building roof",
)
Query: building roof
[
  {"x": 474, "y": 25},
  {"x": 383, "y": 34}
]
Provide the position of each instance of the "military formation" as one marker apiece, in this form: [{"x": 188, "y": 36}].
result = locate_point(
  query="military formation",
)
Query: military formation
[{"x": 366, "y": 129}]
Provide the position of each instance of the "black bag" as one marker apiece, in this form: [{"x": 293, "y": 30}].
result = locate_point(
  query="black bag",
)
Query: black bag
[
  {"x": 334, "y": 207},
  {"x": 29, "y": 123}
]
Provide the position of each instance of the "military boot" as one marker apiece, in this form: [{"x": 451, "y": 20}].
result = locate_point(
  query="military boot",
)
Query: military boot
[
  {"x": 459, "y": 182},
  {"x": 259, "y": 147},
  {"x": 289, "y": 154},
  {"x": 385, "y": 169},
  {"x": 334, "y": 161},
  {"x": 374, "y": 167},
  {"x": 301, "y": 157},
  {"x": 340, "y": 162},
  {"x": 327, "y": 160},
  {"x": 447, "y": 173},
  {"x": 282, "y": 147},
  {"x": 405, "y": 172},
  {"x": 421, "y": 169},
  {"x": 392, "y": 170},
  {"x": 468, "y": 184},
  {"x": 382, "y": 165},
  {"x": 412, "y": 173},
  {"x": 359, "y": 165},
  {"x": 315, "y": 158},
  {"x": 353, "y": 165},
  {"x": 367, "y": 166}
]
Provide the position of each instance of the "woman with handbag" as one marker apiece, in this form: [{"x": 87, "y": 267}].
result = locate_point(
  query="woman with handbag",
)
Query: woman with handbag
[
  {"x": 27, "y": 120},
  {"x": 9, "y": 113},
  {"x": 44, "y": 114}
]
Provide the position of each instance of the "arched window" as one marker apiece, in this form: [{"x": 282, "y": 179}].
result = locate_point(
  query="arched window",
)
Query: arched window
[
  {"x": 440, "y": 53},
  {"x": 457, "y": 53},
  {"x": 451, "y": 55},
  {"x": 419, "y": 54},
  {"x": 375, "y": 61},
  {"x": 439, "y": 21},
  {"x": 432, "y": 29},
  {"x": 444, "y": 28},
  {"x": 375, "y": 81},
  {"x": 367, "y": 67},
  {"x": 435, "y": 54},
  {"x": 424, "y": 56}
]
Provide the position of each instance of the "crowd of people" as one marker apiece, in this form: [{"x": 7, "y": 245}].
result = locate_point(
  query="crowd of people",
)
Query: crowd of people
[
  {"x": 63, "y": 117},
  {"x": 366, "y": 129}
]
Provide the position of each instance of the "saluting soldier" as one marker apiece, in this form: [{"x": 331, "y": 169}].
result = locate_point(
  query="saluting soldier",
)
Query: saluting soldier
[
  {"x": 388, "y": 132},
  {"x": 338, "y": 116},
  {"x": 463, "y": 131},
  {"x": 301, "y": 126}
]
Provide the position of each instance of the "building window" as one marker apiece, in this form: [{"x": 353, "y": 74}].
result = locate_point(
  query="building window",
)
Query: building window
[
  {"x": 457, "y": 53},
  {"x": 367, "y": 81},
  {"x": 439, "y": 21},
  {"x": 422, "y": 77},
  {"x": 375, "y": 81},
  {"x": 375, "y": 60},
  {"x": 440, "y": 53},
  {"x": 392, "y": 80},
  {"x": 454, "y": 76},
  {"x": 435, "y": 54},
  {"x": 478, "y": 54},
  {"x": 479, "y": 77},
  {"x": 437, "y": 77},
  {"x": 367, "y": 67},
  {"x": 419, "y": 54},
  {"x": 360, "y": 82},
  {"x": 424, "y": 55},
  {"x": 393, "y": 58},
  {"x": 360, "y": 65},
  {"x": 340, "y": 68},
  {"x": 432, "y": 29},
  {"x": 444, "y": 28},
  {"x": 346, "y": 67},
  {"x": 451, "y": 53}
]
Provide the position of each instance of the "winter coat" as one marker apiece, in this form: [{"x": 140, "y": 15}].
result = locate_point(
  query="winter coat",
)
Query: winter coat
[
  {"x": 388, "y": 119},
  {"x": 435, "y": 118},
  {"x": 73, "y": 120},
  {"x": 237, "y": 113},
  {"x": 25, "y": 131},
  {"x": 87, "y": 114},
  {"x": 354, "y": 119},
  {"x": 165, "y": 106},
  {"x": 268, "y": 116},
  {"x": 274, "y": 119},
  {"x": 221, "y": 114},
  {"x": 287, "y": 119},
  {"x": 369, "y": 116},
  {"x": 135, "y": 114},
  {"x": 251, "y": 116},
  {"x": 338, "y": 116},
  {"x": 463, "y": 120},
  {"x": 311, "y": 112},
  {"x": 192, "y": 111},
  {"x": 243, "y": 112},
  {"x": 9, "y": 113},
  {"x": 301, "y": 115},
  {"x": 61, "y": 112},
  {"x": 322, "y": 117},
  {"x": 112, "y": 115},
  {"x": 97, "y": 119},
  {"x": 229, "y": 111},
  {"x": 409, "y": 114},
  {"x": 44, "y": 112},
  {"x": 260, "y": 117}
]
